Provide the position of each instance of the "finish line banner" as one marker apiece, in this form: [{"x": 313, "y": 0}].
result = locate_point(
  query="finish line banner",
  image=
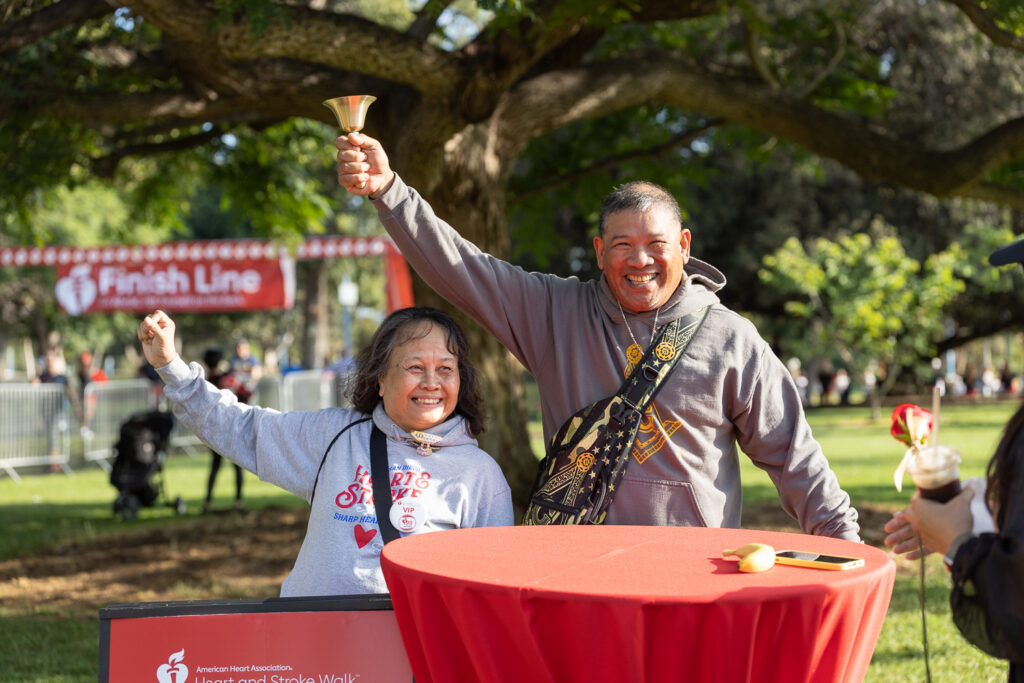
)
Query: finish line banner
[
  {"x": 337, "y": 639},
  {"x": 199, "y": 276},
  {"x": 190, "y": 286}
]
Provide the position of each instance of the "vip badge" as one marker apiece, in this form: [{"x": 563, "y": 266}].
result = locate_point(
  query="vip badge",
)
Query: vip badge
[{"x": 408, "y": 514}]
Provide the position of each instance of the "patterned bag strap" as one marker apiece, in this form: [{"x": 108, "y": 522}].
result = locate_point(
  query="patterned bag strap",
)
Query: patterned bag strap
[
  {"x": 667, "y": 347},
  {"x": 579, "y": 490}
]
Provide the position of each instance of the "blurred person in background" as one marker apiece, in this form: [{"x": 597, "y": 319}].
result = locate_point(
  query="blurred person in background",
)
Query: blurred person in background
[
  {"x": 87, "y": 374},
  {"x": 54, "y": 371},
  {"x": 246, "y": 367}
]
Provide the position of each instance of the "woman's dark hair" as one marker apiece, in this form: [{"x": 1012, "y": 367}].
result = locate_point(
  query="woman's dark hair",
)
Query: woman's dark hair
[
  {"x": 404, "y": 325},
  {"x": 1001, "y": 467}
]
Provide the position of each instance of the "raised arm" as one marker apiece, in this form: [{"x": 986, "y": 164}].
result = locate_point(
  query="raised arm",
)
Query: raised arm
[
  {"x": 513, "y": 304},
  {"x": 156, "y": 332},
  {"x": 363, "y": 167}
]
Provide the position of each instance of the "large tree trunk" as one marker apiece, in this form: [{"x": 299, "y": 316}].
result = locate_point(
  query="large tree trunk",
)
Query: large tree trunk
[
  {"x": 314, "y": 316},
  {"x": 501, "y": 385},
  {"x": 469, "y": 193}
]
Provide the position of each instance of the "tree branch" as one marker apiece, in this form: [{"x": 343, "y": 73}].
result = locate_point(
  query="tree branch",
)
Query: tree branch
[
  {"x": 5, "y": 13},
  {"x": 753, "y": 46},
  {"x": 682, "y": 139},
  {"x": 976, "y": 13},
  {"x": 104, "y": 167},
  {"x": 557, "y": 98},
  {"x": 187, "y": 20},
  {"x": 340, "y": 41},
  {"x": 996, "y": 194},
  {"x": 833, "y": 62},
  {"x": 348, "y": 43},
  {"x": 112, "y": 110},
  {"x": 48, "y": 20},
  {"x": 426, "y": 20}
]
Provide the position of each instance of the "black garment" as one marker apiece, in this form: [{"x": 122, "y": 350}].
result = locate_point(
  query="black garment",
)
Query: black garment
[
  {"x": 988, "y": 578},
  {"x": 214, "y": 468}
]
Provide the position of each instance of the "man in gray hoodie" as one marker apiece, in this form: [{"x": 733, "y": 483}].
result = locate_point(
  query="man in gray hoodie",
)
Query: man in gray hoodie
[{"x": 580, "y": 339}]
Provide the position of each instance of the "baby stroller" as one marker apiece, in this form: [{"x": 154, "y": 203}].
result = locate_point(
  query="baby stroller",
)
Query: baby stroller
[{"x": 139, "y": 454}]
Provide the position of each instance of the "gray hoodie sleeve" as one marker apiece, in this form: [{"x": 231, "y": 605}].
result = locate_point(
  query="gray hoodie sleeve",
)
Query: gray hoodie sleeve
[
  {"x": 281, "y": 448},
  {"x": 772, "y": 431},
  {"x": 488, "y": 289}
]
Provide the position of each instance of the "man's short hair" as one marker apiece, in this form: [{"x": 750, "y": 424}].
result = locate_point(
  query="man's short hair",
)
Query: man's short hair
[{"x": 639, "y": 195}]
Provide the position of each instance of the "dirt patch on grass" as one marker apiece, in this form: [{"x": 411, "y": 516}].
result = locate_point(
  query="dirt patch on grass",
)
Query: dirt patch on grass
[
  {"x": 226, "y": 555},
  {"x": 221, "y": 555}
]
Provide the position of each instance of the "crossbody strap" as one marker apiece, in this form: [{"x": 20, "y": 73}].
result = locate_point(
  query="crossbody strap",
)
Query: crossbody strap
[
  {"x": 667, "y": 347},
  {"x": 587, "y": 457},
  {"x": 381, "y": 484}
]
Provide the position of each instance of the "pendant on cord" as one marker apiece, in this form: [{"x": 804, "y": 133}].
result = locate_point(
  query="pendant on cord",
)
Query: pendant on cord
[{"x": 425, "y": 442}]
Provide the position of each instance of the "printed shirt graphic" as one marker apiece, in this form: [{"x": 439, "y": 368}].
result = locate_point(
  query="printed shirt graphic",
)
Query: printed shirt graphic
[
  {"x": 354, "y": 505},
  {"x": 653, "y": 432}
]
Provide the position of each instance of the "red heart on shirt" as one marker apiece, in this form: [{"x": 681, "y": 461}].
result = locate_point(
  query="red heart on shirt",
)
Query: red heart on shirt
[{"x": 364, "y": 536}]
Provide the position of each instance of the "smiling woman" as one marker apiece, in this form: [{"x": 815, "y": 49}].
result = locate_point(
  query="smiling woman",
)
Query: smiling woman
[
  {"x": 414, "y": 391},
  {"x": 422, "y": 383},
  {"x": 417, "y": 367}
]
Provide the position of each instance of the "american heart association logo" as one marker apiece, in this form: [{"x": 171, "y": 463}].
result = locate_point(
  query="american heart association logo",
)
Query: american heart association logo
[
  {"x": 174, "y": 671},
  {"x": 77, "y": 291}
]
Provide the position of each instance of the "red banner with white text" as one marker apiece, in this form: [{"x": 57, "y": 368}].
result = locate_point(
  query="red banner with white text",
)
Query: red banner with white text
[
  {"x": 193, "y": 286},
  {"x": 199, "y": 276},
  {"x": 334, "y": 639}
]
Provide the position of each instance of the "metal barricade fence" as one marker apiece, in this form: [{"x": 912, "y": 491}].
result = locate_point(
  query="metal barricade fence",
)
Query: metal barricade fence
[
  {"x": 107, "y": 406},
  {"x": 183, "y": 438},
  {"x": 36, "y": 419},
  {"x": 35, "y": 426},
  {"x": 268, "y": 392},
  {"x": 340, "y": 384},
  {"x": 115, "y": 401},
  {"x": 306, "y": 390}
]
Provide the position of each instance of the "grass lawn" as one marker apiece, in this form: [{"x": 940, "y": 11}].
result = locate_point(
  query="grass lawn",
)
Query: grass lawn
[{"x": 46, "y": 510}]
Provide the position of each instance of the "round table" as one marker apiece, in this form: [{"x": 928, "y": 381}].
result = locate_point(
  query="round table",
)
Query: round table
[{"x": 559, "y": 604}]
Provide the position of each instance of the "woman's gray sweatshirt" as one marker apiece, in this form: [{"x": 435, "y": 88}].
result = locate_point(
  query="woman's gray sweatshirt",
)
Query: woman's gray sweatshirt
[{"x": 456, "y": 486}]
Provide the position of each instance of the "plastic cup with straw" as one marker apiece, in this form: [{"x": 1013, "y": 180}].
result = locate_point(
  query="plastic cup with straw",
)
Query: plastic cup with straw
[{"x": 935, "y": 469}]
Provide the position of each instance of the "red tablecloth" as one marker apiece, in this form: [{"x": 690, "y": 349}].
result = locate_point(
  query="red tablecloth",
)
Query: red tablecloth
[{"x": 628, "y": 604}]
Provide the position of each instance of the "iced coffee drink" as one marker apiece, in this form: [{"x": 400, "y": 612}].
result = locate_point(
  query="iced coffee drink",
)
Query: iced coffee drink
[{"x": 936, "y": 472}]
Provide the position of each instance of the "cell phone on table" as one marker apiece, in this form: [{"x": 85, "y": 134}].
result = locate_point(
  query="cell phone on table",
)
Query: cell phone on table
[{"x": 800, "y": 558}]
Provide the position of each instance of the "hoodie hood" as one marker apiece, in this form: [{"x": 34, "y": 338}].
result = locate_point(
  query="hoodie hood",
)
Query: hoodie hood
[
  {"x": 453, "y": 431},
  {"x": 698, "y": 288}
]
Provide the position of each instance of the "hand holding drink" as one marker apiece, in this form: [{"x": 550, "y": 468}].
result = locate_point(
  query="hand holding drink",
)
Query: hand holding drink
[
  {"x": 935, "y": 469},
  {"x": 936, "y": 472}
]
